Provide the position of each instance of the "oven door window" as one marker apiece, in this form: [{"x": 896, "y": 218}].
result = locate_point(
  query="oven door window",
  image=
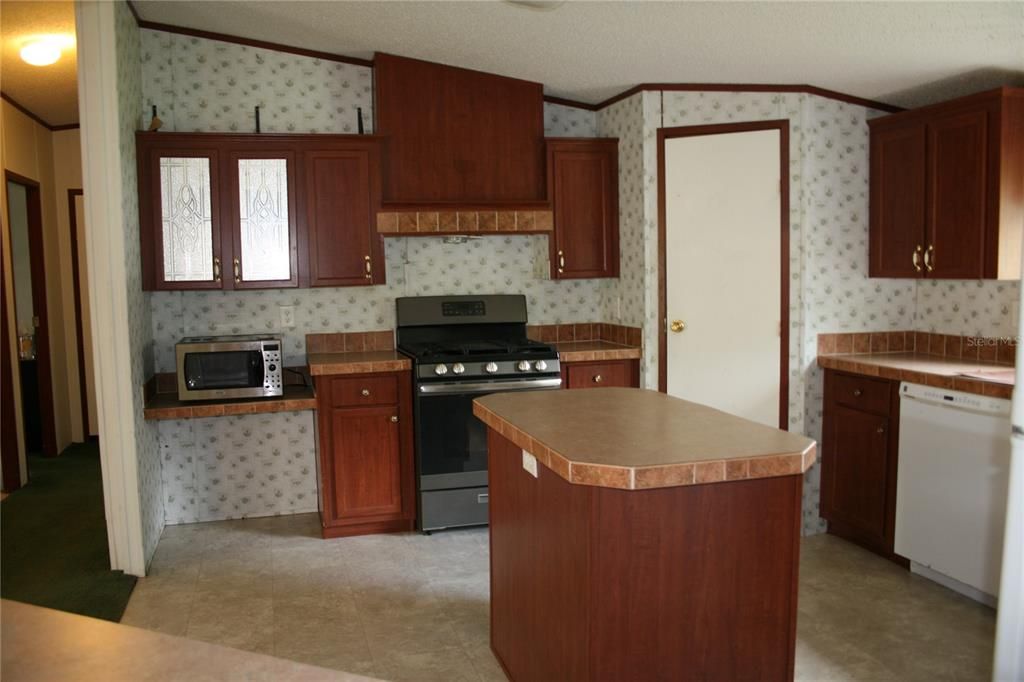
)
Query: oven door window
[
  {"x": 223, "y": 369},
  {"x": 451, "y": 439}
]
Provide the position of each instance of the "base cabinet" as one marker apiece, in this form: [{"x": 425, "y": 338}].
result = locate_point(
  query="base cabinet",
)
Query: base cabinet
[
  {"x": 860, "y": 437},
  {"x": 601, "y": 374},
  {"x": 365, "y": 453}
]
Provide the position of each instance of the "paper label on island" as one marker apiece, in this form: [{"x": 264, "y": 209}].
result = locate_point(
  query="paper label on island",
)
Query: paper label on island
[{"x": 530, "y": 463}]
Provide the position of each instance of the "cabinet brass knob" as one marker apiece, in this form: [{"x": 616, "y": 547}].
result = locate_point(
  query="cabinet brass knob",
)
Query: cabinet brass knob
[
  {"x": 394, "y": 419},
  {"x": 677, "y": 326},
  {"x": 365, "y": 392},
  {"x": 881, "y": 429},
  {"x": 857, "y": 392},
  {"x": 598, "y": 378}
]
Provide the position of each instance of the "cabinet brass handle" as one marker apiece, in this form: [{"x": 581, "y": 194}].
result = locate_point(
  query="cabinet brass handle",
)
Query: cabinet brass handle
[
  {"x": 238, "y": 270},
  {"x": 394, "y": 419},
  {"x": 857, "y": 392},
  {"x": 598, "y": 378},
  {"x": 369, "y": 267},
  {"x": 216, "y": 269},
  {"x": 916, "y": 258},
  {"x": 365, "y": 392},
  {"x": 561, "y": 262},
  {"x": 929, "y": 257}
]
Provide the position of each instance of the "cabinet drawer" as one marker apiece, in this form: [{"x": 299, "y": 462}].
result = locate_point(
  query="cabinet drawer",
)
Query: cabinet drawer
[
  {"x": 598, "y": 375},
  {"x": 862, "y": 393},
  {"x": 356, "y": 391}
]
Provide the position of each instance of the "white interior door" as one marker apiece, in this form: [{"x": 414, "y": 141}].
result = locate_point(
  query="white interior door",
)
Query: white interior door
[{"x": 723, "y": 271}]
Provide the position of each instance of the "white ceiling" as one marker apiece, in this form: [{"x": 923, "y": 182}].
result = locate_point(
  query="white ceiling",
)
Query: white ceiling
[
  {"x": 904, "y": 53},
  {"x": 49, "y": 92}
]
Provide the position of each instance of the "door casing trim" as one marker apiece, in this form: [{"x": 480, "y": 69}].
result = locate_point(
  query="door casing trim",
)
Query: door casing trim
[{"x": 782, "y": 125}]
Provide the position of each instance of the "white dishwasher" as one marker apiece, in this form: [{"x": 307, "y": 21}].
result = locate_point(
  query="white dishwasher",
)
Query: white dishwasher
[{"x": 954, "y": 463}]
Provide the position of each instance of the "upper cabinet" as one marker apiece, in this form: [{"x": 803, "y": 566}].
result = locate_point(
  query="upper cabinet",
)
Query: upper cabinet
[
  {"x": 583, "y": 180},
  {"x": 258, "y": 211},
  {"x": 458, "y": 137},
  {"x": 947, "y": 189},
  {"x": 342, "y": 196}
]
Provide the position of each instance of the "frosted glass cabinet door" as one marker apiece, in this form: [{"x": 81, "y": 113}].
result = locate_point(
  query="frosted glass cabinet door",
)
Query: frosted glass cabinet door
[
  {"x": 186, "y": 219},
  {"x": 265, "y": 227}
]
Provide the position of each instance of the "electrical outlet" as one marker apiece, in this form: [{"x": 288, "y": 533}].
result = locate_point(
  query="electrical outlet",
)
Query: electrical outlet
[
  {"x": 287, "y": 316},
  {"x": 530, "y": 463}
]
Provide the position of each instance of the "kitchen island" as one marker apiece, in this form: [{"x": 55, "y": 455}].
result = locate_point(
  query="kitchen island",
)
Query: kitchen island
[{"x": 639, "y": 536}]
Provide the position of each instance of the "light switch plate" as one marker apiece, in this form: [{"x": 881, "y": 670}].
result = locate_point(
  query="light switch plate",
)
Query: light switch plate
[
  {"x": 530, "y": 463},
  {"x": 287, "y": 316}
]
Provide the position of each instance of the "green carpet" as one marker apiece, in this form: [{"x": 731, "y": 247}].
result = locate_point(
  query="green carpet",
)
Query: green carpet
[{"x": 53, "y": 539}]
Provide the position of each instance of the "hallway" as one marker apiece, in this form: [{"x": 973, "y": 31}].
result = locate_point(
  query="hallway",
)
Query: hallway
[{"x": 53, "y": 538}]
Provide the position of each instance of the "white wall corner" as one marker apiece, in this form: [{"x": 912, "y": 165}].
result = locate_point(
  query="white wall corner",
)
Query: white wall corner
[{"x": 105, "y": 249}]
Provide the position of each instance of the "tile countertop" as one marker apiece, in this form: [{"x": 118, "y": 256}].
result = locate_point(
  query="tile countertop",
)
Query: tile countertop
[
  {"x": 587, "y": 351},
  {"x": 43, "y": 644},
  {"x": 632, "y": 438},
  {"x": 357, "y": 362},
  {"x": 970, "y": 376},
  {"x": 167, "y": 406}
]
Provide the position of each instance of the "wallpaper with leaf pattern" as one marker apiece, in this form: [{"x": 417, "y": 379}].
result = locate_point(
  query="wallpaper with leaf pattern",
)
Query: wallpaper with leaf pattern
[
  {"x": 206, "y": 85},
  {"x": 200, "y": 84},
  {"x": 238, "y": 467}
]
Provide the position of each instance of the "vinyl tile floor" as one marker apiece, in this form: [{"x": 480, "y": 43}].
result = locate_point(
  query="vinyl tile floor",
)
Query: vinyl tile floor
[{"x": 414, "y": 607}]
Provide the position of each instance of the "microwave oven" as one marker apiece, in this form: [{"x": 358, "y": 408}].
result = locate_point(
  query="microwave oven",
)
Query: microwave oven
[{"x": 215, "y": 367}]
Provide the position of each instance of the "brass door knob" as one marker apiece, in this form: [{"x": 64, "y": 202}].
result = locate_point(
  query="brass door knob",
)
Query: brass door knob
[{"x": 677, "y": 326}]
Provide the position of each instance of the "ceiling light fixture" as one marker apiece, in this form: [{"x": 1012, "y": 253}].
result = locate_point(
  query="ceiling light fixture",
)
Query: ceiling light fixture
[{"x": 45, "y": 50}]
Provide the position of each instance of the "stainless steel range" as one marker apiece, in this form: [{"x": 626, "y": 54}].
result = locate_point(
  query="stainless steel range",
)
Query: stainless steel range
[{"x": 464, "y": 347}]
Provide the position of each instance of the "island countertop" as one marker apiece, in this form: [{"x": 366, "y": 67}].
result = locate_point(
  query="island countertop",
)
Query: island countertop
[{"x": 636, "y": 439}]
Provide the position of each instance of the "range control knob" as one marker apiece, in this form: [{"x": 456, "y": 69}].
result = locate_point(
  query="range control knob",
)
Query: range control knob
[
  {"x": 441, "y": 370},
  {"x": 458, "y": 368},
  {"x": 491, "y": 368},
  {"x": 541, "y": 365},
  {"x": 523, "y": 366},
  {"x": 272, "y": 367}
]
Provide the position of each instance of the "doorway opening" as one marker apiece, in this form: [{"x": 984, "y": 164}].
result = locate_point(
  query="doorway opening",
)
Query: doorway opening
[
  {"x": 723, "y": 229},
  {"x": 24, "y": 215}
]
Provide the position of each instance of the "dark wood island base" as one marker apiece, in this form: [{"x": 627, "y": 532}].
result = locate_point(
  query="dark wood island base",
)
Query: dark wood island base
[{"x": 683, "y": 582}]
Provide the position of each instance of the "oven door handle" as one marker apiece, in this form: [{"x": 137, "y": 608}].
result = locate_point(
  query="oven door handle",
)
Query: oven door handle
[{"x": 489, "y": 386}]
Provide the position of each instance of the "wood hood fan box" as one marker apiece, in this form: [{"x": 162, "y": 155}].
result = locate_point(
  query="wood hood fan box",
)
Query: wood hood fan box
[{"x": 464, "y": 150}]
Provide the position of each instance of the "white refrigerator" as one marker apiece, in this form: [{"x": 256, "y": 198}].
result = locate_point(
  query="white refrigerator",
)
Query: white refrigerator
[{"x": 1009, "y": 652}]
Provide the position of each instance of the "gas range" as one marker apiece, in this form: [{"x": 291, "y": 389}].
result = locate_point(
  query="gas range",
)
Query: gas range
[
  {"x": 498, "y": 359},
  {"x": 463, "y": 347}
]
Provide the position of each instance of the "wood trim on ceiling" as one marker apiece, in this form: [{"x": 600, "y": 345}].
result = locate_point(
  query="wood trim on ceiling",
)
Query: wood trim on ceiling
[
  {"x": 38, "y": 119},
  {"x": 750, "y": 87},
  {"x": 664, "y": 134},
  {"x": 552, "y": 99},
  {"x": 239, "y": 40}
]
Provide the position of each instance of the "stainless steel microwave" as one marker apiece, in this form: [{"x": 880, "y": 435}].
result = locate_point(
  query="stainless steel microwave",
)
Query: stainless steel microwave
[{"x": 212, "y": 367}]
